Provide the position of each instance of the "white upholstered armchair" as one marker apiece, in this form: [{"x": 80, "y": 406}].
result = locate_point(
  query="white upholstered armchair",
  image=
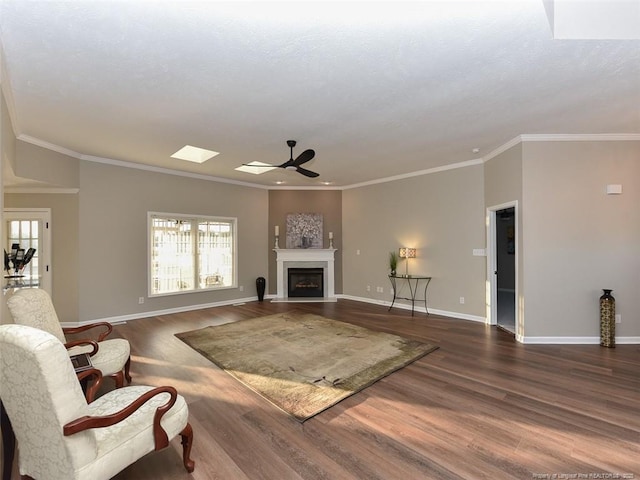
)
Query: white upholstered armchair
[
  {"x": 33, "y": 307},
  {"x": 60, "y": 436}
]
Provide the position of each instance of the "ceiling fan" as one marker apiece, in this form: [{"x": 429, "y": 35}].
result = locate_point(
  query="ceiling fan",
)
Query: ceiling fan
[{"x": 292, "y": 164}]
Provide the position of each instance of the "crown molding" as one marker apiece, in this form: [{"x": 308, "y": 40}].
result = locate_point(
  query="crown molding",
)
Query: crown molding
[
  {"x": 46, "y": 190},
  {"x": 49, "y": 146},
  {"x": 589, "y": 137},
  {"x": 562, "y": 137},
  {"x": 137, "y": 166},
  {"x": 302, "y": 187},
  {"x": 169, "y": 171},
  {"x": 7, "y": 91},
  {"x": 419, "y": 173},
  {"x": 502, "y": 148},
  {"x": 581, "y": 137}
]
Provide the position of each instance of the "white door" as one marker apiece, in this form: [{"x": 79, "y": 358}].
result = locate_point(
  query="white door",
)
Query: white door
[{"x": 28, "y": 228}]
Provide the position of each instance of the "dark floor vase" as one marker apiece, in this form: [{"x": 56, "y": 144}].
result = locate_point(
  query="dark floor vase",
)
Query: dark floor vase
[
  {"x": 607, "y": 320},
  {"x": 260, "y": 286}
]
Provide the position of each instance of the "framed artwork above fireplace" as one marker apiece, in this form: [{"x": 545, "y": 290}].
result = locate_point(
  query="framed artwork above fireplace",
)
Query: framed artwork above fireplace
[{"x": 304, "y": 230}]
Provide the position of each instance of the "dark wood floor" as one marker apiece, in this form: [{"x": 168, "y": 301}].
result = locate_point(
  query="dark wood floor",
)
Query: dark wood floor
[{"x": 481, "y": 406}]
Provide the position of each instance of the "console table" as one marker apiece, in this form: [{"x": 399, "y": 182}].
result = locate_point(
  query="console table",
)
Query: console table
[{"x": 412, "y": 281}]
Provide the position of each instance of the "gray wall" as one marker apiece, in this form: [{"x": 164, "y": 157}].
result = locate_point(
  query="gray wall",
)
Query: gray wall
[
  {"x": 7, "y": 156},
  {"x": 574, "y": 240},
  {"x": 503, "y": 184},
  {"x": 503, "y": 177},
  {"x": 114, "y": 202},
  {"x": 7, "y": 136},
  {"x": 441, "y": 215},
  {"x": 53, "y": 168},
  {"x": 326, "y": 202},
  {"x": 577, "y": 239},
  {"x": 65, "y": 246}
]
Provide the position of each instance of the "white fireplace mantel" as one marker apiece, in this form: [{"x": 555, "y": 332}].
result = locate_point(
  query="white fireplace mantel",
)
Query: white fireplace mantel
[{"x": 305, "y": 257}]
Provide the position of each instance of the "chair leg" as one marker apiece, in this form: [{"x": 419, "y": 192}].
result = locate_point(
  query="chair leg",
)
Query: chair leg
[
  {"x": 127, "y": 366},
  {"x": 119, "y": 379},
  {"x": 187, "y": 443}
]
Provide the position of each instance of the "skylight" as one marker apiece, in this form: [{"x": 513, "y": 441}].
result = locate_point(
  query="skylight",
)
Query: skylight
[
  {"x": 256, "y": 168},
  {"x": 194, "y": 154}
]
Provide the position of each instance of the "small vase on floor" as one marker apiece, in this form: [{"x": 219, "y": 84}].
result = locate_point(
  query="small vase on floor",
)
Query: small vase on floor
[
  {"x": 607, "y": 320},
  {"x": 260, "y": 287}
]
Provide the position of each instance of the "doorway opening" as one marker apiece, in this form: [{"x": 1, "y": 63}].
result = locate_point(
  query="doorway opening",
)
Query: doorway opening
[
  {"x": 502, "y": 268},
  {"x": 28, "y": 229}
]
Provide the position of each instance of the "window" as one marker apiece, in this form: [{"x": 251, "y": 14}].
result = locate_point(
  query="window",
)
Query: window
[
  {"x": 189, "y": 253},
  {"x": 24, "y": 235},
  {"x": 29, "y": 228}
]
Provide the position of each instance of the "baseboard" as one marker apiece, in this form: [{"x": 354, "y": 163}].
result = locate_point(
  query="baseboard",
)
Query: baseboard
[
  {"x": 136, "y": 316},
  {"x": 364, "y": 300},
  {"x": 577, "y": 340},
  {"x": 404, "y": 306},
  {"x": 444, "y": 313}
]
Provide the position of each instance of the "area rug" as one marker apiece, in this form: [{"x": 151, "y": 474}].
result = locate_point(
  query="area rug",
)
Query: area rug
[{"x": 303, "y": 363}]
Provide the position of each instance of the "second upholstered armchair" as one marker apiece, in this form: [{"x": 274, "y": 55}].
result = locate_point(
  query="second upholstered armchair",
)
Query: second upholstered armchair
[
  {"x": 60, "y": 435},
  {"x": 33, "y": 307}
]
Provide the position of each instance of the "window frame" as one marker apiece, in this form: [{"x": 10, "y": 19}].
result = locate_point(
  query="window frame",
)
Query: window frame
[
  {"x": 195, "y": 220},
  {"x": 43, "y": 215}
]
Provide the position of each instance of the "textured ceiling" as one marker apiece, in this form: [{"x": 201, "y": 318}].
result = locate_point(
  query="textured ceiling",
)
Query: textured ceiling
[{"x": 376, "y": 89}]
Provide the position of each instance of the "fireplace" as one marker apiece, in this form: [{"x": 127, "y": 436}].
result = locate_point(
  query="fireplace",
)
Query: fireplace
[
  {"x": 303, "y": 258},
  {"x": 305, "y": 282}
]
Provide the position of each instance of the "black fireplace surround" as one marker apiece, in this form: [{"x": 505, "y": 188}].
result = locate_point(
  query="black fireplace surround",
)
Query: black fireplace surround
[{"x": 305, "y": 282}]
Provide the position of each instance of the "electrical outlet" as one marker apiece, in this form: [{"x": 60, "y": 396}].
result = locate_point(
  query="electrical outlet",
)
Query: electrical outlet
[
  {"x": 618, "y": 318},
  {"x": 358, "y": 252},
  {"x": 368, "y": 288},
  {"x": 241, "y": 288},
  {"x": 140, "y": 300},
  {"x": 380, "y": 289},
  {"x": 461, "y": 300}
]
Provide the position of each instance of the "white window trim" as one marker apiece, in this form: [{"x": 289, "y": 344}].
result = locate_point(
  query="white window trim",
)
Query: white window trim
[
  {"x": 232, "y": 220},
  {"x": 46, "y": 254}
]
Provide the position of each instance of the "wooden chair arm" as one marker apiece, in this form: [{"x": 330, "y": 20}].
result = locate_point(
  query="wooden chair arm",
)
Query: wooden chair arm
[
  {"x": 106, "y": 325},
  {"x": 160, "y": 437},
  {"x": 75, "y": 343},
  {"x": 92, "y": 389}
]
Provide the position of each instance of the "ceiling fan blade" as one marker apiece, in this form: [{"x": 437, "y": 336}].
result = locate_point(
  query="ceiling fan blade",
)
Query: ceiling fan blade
[
  {"x": 307, "y": 173},
  {"x": 304, "y": 157}
]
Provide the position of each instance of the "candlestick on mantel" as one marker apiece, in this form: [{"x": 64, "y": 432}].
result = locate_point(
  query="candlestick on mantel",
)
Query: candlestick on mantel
[
  {"x": 277, "y": 231},
  {"x": 330, "y": 235}
]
